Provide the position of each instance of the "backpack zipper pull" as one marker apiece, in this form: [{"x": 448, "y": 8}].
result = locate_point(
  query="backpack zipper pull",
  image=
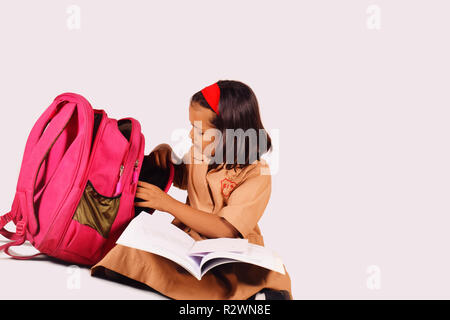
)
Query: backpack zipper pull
[
  {"x": 119, "y": 183},
  {"x": 135, "y": 172}
]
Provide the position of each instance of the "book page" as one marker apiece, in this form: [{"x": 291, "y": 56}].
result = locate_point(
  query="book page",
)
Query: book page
[
  {"x": 257, "y": 255},
  {"x": 153, "y": 234},
  {"x": 202, "y": 247},
  {"x": 211, "y": 263}
]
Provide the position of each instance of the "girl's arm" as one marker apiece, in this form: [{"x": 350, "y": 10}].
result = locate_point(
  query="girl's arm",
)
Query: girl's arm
[{"x": 205, "y": 223}]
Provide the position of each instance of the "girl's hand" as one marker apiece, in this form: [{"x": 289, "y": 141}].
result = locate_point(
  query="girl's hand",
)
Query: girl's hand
[
  {"x": 153, "y": 197},
  {"x": 161, "y": 155}
]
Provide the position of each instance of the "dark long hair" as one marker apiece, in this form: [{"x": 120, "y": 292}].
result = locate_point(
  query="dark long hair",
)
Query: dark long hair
[{"x": 238, "y": 109}]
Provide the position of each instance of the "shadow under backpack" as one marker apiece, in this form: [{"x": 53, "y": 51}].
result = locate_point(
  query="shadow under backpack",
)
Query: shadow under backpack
[{"x": 77, "y": 183}]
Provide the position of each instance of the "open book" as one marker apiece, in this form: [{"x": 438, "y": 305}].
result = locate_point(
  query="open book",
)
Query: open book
[{"x": 155, "y": 234}]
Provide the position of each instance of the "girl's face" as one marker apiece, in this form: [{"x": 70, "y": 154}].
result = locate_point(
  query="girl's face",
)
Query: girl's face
[{"x": 200, "y": 118}]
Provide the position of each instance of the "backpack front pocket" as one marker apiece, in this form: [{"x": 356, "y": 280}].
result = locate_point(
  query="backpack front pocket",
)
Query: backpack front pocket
[{"x": 97, "y": 211}]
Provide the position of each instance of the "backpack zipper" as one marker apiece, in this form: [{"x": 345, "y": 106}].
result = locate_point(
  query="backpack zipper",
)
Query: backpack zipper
[
  {"x": 130, "y": 155},
  {"x": 135, "y": 172},
  {"x": 119, "y": 182}
]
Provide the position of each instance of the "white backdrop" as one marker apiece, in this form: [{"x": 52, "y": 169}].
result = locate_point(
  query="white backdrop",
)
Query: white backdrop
[{"x": 358, "y": 91}]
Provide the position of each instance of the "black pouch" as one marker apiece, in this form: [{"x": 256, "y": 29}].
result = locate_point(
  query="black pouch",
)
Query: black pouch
[{"x": 155, "y": 175}]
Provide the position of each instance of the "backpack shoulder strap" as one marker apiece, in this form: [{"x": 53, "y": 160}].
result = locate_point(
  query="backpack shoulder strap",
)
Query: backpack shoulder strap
[
  {"x": 18, "y": 237},
  {"x": 42, "y": 137},
  {"x": 53, "y": 122}
]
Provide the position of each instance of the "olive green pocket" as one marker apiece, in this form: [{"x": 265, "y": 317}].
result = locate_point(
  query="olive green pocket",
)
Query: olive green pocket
[{"x": 97, "y": 211}]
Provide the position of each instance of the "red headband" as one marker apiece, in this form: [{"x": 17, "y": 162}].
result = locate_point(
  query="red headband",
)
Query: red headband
[{"x": 212, "y": 96}]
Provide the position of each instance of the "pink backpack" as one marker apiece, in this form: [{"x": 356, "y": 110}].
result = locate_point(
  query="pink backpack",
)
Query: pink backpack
[{"x": 77, "y": 183}]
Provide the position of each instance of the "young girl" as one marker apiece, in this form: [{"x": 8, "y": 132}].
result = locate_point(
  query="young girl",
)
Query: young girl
[{"x": 228, "y": 187}]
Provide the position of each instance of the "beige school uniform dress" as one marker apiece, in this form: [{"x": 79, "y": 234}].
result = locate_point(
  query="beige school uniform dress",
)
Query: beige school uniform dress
[{"x": 240, "y": 196}]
